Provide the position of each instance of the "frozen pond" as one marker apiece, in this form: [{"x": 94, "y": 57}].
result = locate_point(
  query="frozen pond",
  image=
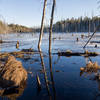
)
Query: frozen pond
[{"x": 64, "y": 80}]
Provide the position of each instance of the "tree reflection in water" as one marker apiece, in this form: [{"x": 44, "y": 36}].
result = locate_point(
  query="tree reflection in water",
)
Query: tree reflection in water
[{"x": 51, "y": 76}]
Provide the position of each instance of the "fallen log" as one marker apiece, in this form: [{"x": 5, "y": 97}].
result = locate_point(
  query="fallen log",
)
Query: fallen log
[
  {"x": 24, "y": 53},
  {"x": 94, "y": 41},
  {"x": 86, "y": 53}
]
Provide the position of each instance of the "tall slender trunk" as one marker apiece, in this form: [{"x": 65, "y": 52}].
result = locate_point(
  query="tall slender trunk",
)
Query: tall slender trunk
[
  {"x": 94, "y": 27},
  {"x": 51, "y": 24},
  {"x": 42, "y": 24},
  {"x": 89, "y": 28}
]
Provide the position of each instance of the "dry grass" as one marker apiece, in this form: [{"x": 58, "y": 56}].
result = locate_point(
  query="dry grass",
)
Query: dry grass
[
  {"x": 90, "y": 67},
  {"x": 12, "y": 73}
]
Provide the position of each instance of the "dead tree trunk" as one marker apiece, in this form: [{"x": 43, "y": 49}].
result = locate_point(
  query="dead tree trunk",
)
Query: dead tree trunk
[
  {"x": 51, "y": 23},
  {"x": 89, "y": 29},
  {"x": 92, "y": 36},
  {"x": 42, "y": 24}
]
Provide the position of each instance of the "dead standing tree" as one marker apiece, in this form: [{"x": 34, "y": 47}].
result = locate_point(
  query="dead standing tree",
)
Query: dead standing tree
[
  {"x": 92, "y": 36},
  {"x": 51, "y": 24},
  {"x": 42, "y": 24}
]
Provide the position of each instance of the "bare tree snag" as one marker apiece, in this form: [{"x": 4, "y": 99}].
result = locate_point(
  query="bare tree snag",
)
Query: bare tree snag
[
  {"x": 51, "y": 24},
  {"x": 89, "y": 29},
  {"x": 92, "y": 36},
  {"x": 42, "y": 24}
]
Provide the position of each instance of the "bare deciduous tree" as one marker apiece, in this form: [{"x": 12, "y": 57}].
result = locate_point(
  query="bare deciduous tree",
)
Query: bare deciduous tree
[
  {"x": 42, "y": 23},
  {"x": 51, "y": 24}
]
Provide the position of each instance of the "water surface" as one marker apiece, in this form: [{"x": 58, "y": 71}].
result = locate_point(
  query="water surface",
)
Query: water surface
[{"x": 62, "y": 79}]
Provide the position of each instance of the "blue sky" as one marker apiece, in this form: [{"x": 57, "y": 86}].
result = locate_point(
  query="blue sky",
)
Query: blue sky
[{"x": 29, "y": 12}]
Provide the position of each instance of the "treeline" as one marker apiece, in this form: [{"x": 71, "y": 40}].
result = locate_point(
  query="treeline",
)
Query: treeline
[
  {"x": 19, "y": 28},
  {"x": 14, "y": 28},
  {"x": 85, "y": 24},
  {"x": 81, "y": 24}
]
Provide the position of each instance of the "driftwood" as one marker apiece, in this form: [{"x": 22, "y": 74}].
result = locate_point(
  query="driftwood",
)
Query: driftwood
[
  {"x": 2, "y": 41},
  {"x": 27, "y": 50},
  {"x": 38, "y": 82}
]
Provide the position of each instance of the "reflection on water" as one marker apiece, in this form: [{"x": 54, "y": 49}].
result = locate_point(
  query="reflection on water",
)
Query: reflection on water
[
  {"x": 45, "y": 74},
  {"x": 51, "y": 74},
  {"x": 46, "y": 78},
  {"x": 59, "y": 75},
  {"x": 12, "y": 93}
]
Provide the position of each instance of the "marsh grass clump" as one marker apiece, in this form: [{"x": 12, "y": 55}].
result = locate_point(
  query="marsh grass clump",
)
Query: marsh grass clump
[
  {"x": 90, "y": 67},
  {"x": 12, "y": 73}
]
